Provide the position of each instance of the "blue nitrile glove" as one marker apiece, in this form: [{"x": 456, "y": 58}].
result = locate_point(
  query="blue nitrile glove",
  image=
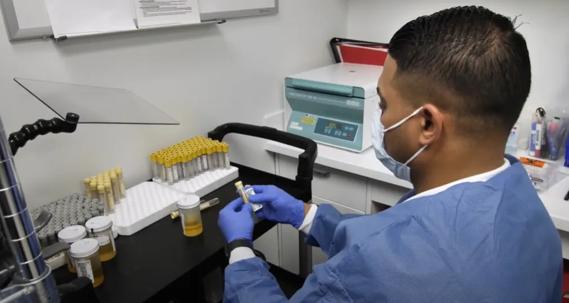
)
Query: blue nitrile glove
[
  {"x": 278, "y": 206},
  {"x": 236, "y": 221}
]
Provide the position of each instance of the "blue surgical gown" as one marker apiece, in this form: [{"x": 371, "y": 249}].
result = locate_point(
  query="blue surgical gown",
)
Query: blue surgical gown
[{"x": 477, "y": 242}]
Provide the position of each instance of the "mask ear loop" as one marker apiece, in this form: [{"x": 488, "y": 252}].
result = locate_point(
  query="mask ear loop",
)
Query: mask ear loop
[
  {"x": 403, "y": 120},
  {"x": 416, "y": 154}
]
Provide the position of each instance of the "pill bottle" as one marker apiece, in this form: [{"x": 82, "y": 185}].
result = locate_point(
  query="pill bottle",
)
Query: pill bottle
[
  {"x": 70, "y": 235},
  {"x": 85, "y": 255},
  {"x": 190, "y": 215},
  {"x": 99, "y": 228}
]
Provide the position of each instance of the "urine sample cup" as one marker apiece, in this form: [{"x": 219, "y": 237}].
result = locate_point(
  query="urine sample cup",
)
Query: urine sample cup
[
  {"x": 85, "y": 255},
  {"x": 100, "y": 228},
  {"x": 190, "y": 215},
  {"x": 70, "y": 235}
]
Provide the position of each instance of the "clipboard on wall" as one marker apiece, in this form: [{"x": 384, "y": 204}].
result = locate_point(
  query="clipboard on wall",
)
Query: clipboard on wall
[{"x": 359, "y": 51}]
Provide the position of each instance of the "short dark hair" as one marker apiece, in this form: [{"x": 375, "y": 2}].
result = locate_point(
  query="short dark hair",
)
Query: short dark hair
[{"x": 470, "y": 59}]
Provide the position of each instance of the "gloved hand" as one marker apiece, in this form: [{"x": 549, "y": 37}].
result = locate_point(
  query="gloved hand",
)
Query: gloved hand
[
  {"x": 236, "y": 221},
  {"x": 278, "y": 205}
]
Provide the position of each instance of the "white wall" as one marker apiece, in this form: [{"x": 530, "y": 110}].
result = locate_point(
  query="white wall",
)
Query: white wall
[
  {"x": 201, "y": 76},
  {"x": 546, "y": 33}
]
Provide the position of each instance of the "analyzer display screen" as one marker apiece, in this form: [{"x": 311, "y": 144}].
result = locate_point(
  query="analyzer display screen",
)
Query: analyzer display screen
[{"x": 340, "y": 130}]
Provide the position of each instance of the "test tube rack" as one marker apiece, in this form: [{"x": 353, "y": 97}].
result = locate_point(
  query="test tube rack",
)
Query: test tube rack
[
  {"x": 143, "y": 205},
  {"x": 74, "y": 209},
  {"x": 205, "y": 182}
]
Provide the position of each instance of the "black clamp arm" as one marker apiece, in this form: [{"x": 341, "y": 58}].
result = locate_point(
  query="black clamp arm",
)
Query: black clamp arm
[
  {"x": 29, "y": 132},
  {"x": 305, "y": 159}
]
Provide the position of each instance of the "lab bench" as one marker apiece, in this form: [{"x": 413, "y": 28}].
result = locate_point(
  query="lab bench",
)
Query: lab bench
[
  {"x": 358, "y": 183},
  {"x": 152, "y": 261}
]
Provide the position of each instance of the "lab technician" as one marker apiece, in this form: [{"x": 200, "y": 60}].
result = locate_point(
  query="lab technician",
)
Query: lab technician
[{"x": 473, "y": 228}]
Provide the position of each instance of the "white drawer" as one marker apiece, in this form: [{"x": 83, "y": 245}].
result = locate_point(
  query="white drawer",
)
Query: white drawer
[
  {"x": 331, "y": 184},
  {"x": 341, "y": 208},
  {"x": 384, "y": 195}
]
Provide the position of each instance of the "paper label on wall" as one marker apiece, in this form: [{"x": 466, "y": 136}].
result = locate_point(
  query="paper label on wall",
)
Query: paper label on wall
[
  {"x": 84, "y": 17},
  {"x": 84, "y": 269},
  {"x": 156, "y": 13}
]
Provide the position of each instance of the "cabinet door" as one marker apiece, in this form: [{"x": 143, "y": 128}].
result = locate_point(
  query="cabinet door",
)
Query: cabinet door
[
  {"x": 289, "y": 254},
  {"x": 344, "y": 188},
  {"x": 268, "y": 244},
  {"x": 318, "y": 256}
]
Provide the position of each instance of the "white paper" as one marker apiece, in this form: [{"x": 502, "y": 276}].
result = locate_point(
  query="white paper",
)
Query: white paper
[
  {"x": 153, "y": 13},
  {"x": 83, "y": 17},
  {"x": 209, "y": 6}
]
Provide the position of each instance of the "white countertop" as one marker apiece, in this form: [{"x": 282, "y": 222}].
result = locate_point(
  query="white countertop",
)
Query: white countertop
[
  {"x": 365, "y": 164},
  {"x": 557, "y": 207}
]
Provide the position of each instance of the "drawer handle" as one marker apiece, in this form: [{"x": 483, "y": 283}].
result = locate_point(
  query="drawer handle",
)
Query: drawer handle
[{"x": 322, "y": 173}]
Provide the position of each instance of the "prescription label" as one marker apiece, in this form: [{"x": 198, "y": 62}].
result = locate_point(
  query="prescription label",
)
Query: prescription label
[
  {"x": 255, "y": 206},
  {"x": 84, "y": 269}
]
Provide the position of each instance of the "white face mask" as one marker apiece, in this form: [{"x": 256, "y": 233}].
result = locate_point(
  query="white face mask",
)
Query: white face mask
[{"x": 400, "y": 170}]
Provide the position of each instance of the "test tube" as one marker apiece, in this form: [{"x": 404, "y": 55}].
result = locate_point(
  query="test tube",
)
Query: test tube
[
  {"x": 93, "y": 188},
  {"x": 188, "y": 165},
  {"x": 241, "y": 191},
  {"x": 245, "y": 193},
  {"x": 220, "y": 157},
  {"x": 122, "y": 188},
  {"x": 226, "y": 154},
  {"x": 204, "y": 158},
  {"x": 103, "y": 198},
  {"x": 154, "y": 166},
  {"x": 175, "y": 169},
  {"x": 181, "y": 171},
  {"x": 110, "y": 198},
  {"x": 115, "y": 187},
  {"x": 199, "y": 163},
  {"x": 210, "y": 161},
  {"x": 86, "y": 184},
  {"x": 169, "y": 172},
  {"x": 162, "y": 167}
]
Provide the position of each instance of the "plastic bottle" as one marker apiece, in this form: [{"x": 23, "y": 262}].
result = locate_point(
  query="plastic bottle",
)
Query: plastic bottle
[
  {"x": 512, "y": 144},
  {"x": 536, "y": 141}
]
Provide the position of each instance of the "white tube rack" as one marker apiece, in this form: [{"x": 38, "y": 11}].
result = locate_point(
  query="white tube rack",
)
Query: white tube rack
[{"x": 149, "y": 202}]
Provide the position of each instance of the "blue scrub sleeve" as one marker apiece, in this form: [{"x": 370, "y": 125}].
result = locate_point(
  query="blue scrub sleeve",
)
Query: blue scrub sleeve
[
  {"x": 250, "y": 281},
  {"x": 324, "y": 226}
]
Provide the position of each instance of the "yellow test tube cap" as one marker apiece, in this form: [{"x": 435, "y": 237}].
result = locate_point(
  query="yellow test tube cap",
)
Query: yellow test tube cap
[{"x": 239, "y": 184}]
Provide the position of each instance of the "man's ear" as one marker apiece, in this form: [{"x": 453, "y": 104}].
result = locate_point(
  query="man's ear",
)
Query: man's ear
[{"x": 432, "y": 123}]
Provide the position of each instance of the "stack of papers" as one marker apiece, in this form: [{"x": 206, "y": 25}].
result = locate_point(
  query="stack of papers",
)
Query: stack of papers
[{"x": 87, "y": 17}]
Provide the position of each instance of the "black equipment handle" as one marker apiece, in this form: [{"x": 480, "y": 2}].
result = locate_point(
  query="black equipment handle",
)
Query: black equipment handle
[
  {"x": 305, "y": 159},
  {"x": 29, "y": 132}
]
